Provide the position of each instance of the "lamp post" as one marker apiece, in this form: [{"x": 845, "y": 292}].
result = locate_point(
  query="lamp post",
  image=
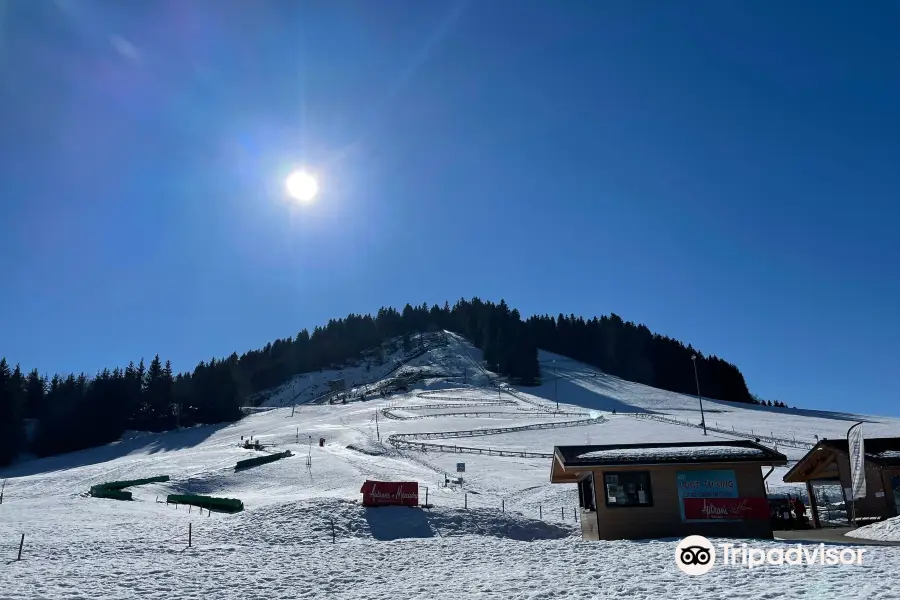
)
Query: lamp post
[{"x": 699, "y": 397}]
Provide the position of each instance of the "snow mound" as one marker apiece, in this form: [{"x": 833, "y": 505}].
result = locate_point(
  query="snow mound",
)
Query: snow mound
[
  {"x": 310, "y": 521},
  {"x": 883, "y": 531}
]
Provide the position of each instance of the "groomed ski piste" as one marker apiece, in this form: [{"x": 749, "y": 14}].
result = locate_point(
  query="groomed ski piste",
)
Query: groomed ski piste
[{"x": 503, "y": 532}]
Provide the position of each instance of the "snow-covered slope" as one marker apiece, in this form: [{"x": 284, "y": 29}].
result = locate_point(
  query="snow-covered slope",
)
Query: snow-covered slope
[{"x": 472, "y": 542}]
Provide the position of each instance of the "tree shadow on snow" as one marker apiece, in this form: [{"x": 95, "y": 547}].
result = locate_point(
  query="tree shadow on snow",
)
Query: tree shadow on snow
[
  {"x": 569, "y": 392},
  {"x": 800, "y": 412},
  {"x": 149, "y": 443}
]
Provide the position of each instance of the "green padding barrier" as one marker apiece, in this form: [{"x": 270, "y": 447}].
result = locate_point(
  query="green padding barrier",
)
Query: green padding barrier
[
  {"x": 110, "y": 494},
  {"x": 207, "y": 502},
  {"x": 260, "y": 460},
  {"x": 112, "y": 489}
]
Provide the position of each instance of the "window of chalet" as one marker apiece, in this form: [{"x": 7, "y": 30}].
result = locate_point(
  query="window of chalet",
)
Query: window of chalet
[
  {"x": 586, "y": 493},
  {"x": 627, "y": 489}
]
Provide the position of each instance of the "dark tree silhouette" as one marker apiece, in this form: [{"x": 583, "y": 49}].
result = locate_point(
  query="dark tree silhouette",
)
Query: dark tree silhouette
[{"x": 73, "y": 412}]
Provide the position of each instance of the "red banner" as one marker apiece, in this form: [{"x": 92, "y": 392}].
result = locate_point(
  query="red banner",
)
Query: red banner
[
  {"x": 386, "y": 493},
  {"x": 726, "y": 508}
]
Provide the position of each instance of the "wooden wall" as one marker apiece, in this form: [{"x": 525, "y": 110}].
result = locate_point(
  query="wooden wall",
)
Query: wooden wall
[
  {"x": 877, "y": 480},
  {"x": 663, "y": 519}
]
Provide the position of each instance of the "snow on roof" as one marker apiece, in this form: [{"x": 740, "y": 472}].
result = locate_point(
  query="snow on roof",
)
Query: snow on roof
[
  {"x": 887, "y": 454},
  {"x": 667, "y": 453}
]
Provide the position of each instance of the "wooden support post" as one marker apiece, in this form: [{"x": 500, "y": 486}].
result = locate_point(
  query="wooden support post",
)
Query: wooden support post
[
  {"x": 540, "y": 513},
  {"x": 562, "y": 512},
  {"x": 21, "y": 543},
  {"x": 189, "y": 535},
  {"x": 466, "y": 499},
  {"x": 503, "y": 505}
]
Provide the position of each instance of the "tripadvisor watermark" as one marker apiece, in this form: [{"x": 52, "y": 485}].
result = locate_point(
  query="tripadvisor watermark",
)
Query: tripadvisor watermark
[{"x": 696, "y": 555}]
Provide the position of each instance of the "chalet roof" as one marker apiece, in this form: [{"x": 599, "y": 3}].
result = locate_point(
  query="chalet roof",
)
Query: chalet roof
[
  {"x": 882, "y": 452},
  {"x": 568, "y": 460}
]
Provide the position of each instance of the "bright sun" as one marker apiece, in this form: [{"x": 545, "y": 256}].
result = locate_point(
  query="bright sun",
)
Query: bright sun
[{"x": 301, "y": 186}]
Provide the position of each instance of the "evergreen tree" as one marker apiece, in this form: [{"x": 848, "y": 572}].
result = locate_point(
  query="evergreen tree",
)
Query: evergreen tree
[
  {"x": 35, "y": 391},
  {"x": 76, "y": 412},
  {"x": 11, "y": 411}
]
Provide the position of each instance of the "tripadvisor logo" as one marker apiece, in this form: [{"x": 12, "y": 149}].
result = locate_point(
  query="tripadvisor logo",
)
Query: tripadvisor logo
[{"x": 696, "y": 555}]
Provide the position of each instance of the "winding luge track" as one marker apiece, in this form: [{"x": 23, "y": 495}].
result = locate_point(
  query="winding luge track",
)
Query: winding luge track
[{"x": 412, "y": 441}]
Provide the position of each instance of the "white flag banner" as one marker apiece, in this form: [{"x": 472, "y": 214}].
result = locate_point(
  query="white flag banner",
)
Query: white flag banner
[{"x": 857, "y": 461}]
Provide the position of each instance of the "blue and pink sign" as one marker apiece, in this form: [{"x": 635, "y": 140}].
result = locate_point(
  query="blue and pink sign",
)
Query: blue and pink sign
[{"x": 705, "y": 484}]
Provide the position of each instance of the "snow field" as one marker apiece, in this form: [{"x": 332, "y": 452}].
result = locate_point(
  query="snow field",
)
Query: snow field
[{"x": 281, "y": 545}]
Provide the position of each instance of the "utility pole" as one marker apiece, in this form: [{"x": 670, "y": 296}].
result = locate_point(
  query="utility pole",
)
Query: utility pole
[
  {"x": 377, "y": 434},
  {"x": 555, "y": 388},
  {"x": 699, "y": 397}
]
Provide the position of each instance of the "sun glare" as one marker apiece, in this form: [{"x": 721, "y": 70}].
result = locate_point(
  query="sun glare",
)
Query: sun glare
[{"x": 301, "y": 186}]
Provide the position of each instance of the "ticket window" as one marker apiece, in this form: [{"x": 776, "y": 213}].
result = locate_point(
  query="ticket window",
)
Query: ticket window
[{"x": 626, "y": 489}]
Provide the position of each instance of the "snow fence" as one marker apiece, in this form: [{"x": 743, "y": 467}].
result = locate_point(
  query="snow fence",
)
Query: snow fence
[
  {"x": 113, "y": 489},
  {"x": 261, "y": 460},
  {"x": 230, "y": 505}
]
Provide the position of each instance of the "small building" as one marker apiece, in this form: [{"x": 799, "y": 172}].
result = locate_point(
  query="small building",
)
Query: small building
[
  {"x": 640, "y": 491},
  {"x": 826, "y": 472}
]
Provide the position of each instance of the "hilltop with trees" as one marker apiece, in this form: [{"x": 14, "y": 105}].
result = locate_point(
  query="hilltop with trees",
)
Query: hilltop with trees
[{"x": 72, "y": 412}]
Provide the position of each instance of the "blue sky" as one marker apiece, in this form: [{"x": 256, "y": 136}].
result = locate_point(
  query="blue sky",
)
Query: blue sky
[{"x": 724, "y": 172}]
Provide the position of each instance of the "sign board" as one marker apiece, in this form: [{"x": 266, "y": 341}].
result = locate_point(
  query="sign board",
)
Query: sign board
[
  {"x": 727, "y": 509},
  {"x": 460, "y": 467},
  {"x": 387, "y": 493},
  {"x": 705, "y": 484}
]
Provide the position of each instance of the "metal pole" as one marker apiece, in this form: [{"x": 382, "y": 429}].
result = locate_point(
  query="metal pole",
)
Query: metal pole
[
  {"x": 555, "y": 388},
  {"x": 21, "y": 543},
  {"x": 377, "y": 433},
  {"x": 699, "y": 397}
]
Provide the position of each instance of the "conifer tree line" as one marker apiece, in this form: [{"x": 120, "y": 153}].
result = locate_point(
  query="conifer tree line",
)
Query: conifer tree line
[{"x": 72, "y": 412}]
